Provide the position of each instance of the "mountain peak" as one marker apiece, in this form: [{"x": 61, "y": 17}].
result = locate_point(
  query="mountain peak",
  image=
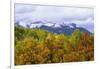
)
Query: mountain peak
[{"x": 53, "y": 27}]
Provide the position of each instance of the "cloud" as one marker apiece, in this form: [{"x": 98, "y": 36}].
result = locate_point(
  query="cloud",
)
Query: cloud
[
  {"x": 22, "y": 8},
  {"x": 51, "y": 13}
]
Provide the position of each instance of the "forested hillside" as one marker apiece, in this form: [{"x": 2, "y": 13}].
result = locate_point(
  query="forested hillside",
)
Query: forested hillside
[{"x": 38, "y": 46}]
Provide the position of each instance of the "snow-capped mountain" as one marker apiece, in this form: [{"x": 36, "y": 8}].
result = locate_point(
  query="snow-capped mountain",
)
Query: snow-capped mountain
[{"x": 53, "y": 27}]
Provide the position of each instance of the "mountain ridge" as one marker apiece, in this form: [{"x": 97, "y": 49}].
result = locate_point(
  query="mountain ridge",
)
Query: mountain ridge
[{"x": 66, "y": 29}]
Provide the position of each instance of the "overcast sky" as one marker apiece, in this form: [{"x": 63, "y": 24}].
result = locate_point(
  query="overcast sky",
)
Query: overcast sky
[{"x": 81, "y": 16}]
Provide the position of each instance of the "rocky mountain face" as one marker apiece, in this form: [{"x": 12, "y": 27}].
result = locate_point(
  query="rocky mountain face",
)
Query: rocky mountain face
[{"x": 53, "y": 27}]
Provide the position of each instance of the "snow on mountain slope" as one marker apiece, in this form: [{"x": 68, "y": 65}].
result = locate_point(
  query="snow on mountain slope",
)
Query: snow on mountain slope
[{"x": 38, "y": 24}]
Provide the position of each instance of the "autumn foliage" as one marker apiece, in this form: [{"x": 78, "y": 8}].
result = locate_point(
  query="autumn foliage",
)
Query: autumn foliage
[{"x": 37, "y": 46}]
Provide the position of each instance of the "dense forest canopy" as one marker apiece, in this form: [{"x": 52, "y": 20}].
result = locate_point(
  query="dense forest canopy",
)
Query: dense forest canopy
[{"x": 39, "y": 46}]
